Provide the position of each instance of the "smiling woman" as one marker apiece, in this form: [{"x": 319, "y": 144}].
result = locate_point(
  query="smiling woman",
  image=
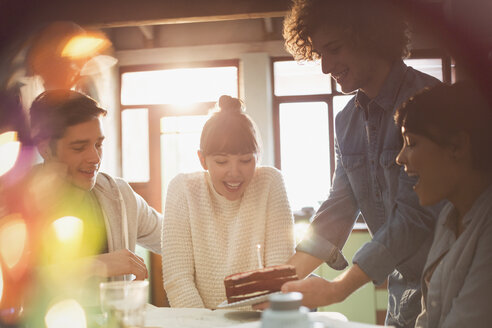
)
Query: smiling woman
[
  {"x": 214, "y": 219},
  {"x": 446, "y": 133}
]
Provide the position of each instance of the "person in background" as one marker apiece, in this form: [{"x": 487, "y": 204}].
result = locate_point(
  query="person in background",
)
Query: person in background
[
  {"x": 446, "y": 145},
  {"x": 361, "y": 43},
  {"x": 66, "y": 128},
  {"x": 214, "y": 219}
]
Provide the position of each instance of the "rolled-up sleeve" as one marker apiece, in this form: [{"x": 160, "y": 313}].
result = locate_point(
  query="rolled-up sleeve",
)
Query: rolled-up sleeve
[{"x": 404, "y": 240}]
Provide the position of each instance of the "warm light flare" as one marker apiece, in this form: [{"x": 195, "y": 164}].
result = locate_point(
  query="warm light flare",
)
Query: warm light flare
[
  {"x": 9, "y": 150},
  {"x": 1, "y": 283},
  {"x": 68, "y": 229},
  {"x": 84, "y": 46},
  {"x": 67, "y": 313},
  {"x": 13, "y": 236},
  {"x": 301, "y": 230}
]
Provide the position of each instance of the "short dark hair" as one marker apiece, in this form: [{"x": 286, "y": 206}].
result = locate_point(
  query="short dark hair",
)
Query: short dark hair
[
  {"x": 445, "y": 110},
  {"x": 375, "y": 26},
  {"x": 52, "y": 112},
  {"x": 229, "y": 130}
]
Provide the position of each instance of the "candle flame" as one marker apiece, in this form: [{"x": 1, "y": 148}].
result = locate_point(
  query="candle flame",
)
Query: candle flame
[{"x": 258, "y": 254}]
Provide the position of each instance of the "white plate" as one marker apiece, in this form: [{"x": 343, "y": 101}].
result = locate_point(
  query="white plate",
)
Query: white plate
[{"x": 249, "y": 301}]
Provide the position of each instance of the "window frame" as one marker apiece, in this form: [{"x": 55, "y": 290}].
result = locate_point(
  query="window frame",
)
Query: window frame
[{"x": 151, "y": 190}]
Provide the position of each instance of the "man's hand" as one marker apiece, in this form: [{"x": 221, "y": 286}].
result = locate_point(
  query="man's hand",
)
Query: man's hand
[
  {"x": 316, "y": 291},
  {"x": 121, "y": 262},
  {"x": 320, "y": 292}
]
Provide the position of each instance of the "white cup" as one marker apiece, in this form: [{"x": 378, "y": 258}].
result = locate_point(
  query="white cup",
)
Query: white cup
[{"x": 123, "y": 303}]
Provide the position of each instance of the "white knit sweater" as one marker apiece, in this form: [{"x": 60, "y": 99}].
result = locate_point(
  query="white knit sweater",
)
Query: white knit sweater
[{"x": 206, "y": 237}]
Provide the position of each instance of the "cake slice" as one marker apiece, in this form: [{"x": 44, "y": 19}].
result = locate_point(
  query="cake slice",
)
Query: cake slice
[{"x": 244, "y": 285}]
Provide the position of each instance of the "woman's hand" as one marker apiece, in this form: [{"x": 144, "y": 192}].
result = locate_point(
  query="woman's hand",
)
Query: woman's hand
[{"x": 120, "y": 262}]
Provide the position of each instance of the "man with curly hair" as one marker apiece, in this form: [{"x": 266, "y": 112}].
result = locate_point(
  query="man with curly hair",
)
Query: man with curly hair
[{"x": 361, "y": 43}]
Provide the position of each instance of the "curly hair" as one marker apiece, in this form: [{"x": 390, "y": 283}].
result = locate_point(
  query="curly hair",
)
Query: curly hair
[{"x": 375, "y": 26}]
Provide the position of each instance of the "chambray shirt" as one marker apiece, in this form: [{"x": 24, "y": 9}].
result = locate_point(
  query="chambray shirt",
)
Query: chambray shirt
[
  {"x": 368, "y": 181},
  {"x": 458, "y": 293}
]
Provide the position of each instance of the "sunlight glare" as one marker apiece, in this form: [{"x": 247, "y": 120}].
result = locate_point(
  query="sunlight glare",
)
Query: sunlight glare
[
  {"x": 9, "y": 151},
  {"x": 13, "y": 235},
  {"x": 68, "y": 229},
  {"x": 301, "y": 230},
  {"x": 84, "y": 46},
  {"x": 67, "y": 313},
  {"x": 179, "y": 87}
]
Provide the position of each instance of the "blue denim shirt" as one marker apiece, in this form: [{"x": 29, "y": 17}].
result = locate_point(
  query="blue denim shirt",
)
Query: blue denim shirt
[{"x": 368, "y": 181}]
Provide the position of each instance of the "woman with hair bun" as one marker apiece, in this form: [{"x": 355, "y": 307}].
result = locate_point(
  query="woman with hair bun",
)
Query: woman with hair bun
[{"x": 214, "y": 219}]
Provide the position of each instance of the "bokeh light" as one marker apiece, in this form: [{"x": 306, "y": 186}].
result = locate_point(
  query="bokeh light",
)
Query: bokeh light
[
  {"x": 1, "y": 283},
  {"x": 66, "y": 313},
  {"x": 84, "y": 46},
  {"x": 9, "y": 151},
  {"x": 13, "y": 236},
  {"x": 69, "y": 229}
]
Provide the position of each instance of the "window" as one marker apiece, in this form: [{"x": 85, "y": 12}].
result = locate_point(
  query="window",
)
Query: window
[
  {"x": 178, "y": 86},
  {"x": 307, "y": 151},
  {"x": 180, "y": 140},
  {"x": 163, "y": 110},
  {"x": 166, "y": 102},
  {"x": 135, "y": 144}
]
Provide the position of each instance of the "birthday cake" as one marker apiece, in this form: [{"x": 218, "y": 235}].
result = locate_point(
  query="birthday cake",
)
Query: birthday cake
[{"x": 244, "y": 285}]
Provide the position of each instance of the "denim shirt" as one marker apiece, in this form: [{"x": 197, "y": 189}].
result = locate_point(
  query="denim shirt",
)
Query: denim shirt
[{"x": 368, "y": 181}]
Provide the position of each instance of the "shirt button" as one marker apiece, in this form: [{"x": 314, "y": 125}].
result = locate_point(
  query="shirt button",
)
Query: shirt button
[{"x": 434, "y": 303}]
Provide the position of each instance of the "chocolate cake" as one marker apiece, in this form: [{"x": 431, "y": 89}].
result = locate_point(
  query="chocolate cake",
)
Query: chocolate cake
[{"x": 244, "y": 285}]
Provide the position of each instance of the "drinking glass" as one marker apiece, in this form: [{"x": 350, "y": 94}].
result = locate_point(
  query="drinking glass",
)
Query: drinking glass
[{"x": 123, "y": 303}]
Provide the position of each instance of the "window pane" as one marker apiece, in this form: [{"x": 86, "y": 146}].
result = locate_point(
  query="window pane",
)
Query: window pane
[
  {"x": 292, "y": 78},
  {"x": 305, "y": 152},
  {"x": 135, "y": 144},
  {"x": 429, "y": 66},
  {"x": 339, "y": 103},
  {"x": 178, "y": 86},
  {"x": 180, "y": 140}
]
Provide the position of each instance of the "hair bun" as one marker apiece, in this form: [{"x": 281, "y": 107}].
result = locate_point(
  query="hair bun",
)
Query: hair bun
[{"x": 230, "y": 105}]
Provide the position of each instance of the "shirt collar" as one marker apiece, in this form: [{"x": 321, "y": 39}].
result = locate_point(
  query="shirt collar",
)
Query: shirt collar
[
  {"x": 388, "y": 94},
  {"x": 478, "y": 205}
]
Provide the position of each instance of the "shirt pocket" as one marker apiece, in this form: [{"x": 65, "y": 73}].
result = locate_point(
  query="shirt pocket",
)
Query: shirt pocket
[
  {"x": 391, "y": 170},
  {"x": 355, "y": 167}
]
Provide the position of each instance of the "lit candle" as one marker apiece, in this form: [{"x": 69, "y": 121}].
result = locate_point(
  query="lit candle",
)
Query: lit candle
[{"x": 258, "y": 254}]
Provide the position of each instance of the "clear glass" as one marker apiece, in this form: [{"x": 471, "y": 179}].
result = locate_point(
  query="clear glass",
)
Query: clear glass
[
  {"x": 431, "y": 66},
  {"x": 292, "y": 78},
  {"x": 178, "y": 86},
  {"x": 123, "y": 303},
  {"x": 305, "y": 152},
  {"x": 180, "y": 141},
  {"x": 135, "y": 145},
  {"x": 339, "y": 103}
]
